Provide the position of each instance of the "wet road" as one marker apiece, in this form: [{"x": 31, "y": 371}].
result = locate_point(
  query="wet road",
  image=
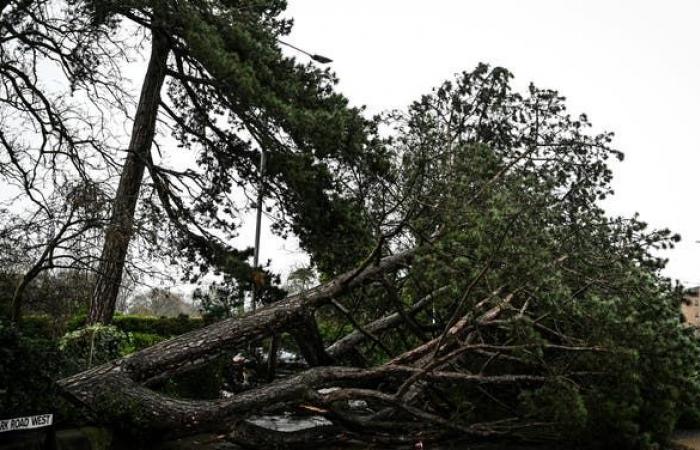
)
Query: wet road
[{"x": 688, "y": 439}]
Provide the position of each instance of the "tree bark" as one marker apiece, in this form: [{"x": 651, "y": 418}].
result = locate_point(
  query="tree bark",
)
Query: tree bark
[
  {"x": 118, "y": 392},
  {"x": 120, "y": 229},
  {"x": 194, "y": 349},
  {"x": 308, "y": 339},
  {"x": 272, "y": 356},
  {"x": 350, "y": 342}
]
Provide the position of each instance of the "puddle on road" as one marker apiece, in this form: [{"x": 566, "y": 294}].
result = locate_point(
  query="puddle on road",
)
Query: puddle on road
[
  {"x": 690, "y": 439},
  {"x": 288, "y": 423}
]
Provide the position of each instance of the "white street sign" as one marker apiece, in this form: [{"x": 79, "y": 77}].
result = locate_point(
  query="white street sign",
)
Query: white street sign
[{"x": 26, "y": 423}]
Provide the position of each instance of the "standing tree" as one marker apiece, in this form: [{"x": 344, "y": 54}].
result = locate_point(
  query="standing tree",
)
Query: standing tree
[
  {"x": 119, "y": 231},
  {"x": 58, "y": 236},
  {"x": 230, "y": 94},
  {"x": 59, "y": 76},
  {"x": 218, "y": 82},
  {"x": 159, "y": 302}
]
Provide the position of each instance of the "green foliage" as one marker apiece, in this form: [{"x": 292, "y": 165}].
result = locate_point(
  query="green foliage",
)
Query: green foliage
[
  {"x": 32, "y": 359},
  {"x": 230, "y": 91},
  {"x": 161, "y": 326},
  {"x": 49, "y": 301},
  {"x": 38, "y": 327},
  {"x": 331, "y": 329},
  {"x": 87, "y": 347},
  {"x": 138, "y": 341},
  {"x": 220, "y": 301},
  {"x": 500, "y": 191},
  {"x": 91, "y": 346},
  {"x": 204, "y": 382},
  {"x": 28, "y": 366},
  {"x": 557, "y": 401},
  {"x": 316, "y": 143}
]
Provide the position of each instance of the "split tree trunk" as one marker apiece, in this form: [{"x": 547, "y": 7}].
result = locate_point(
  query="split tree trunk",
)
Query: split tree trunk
[
  {"x": 118, "y": 392},
  {"x": 111, "y": 390},
  {"x": 120, "y": 229}
]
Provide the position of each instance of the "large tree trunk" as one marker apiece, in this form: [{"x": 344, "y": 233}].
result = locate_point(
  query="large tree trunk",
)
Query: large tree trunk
[
  {"x": 110, "y": 388},
  {"x": 120, "y": 229},
  {"x": 195, "y": 348},
  {"x": 401, "y": 391}
]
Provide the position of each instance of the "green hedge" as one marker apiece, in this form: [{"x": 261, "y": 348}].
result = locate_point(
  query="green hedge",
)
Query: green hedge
[
  {"x": 138, "y": 341},
  {"x": 91, "y": 346},
  {"x": 27, "y": 367},
  {"x": 161, "y": 326},
  {"x": 31, "y": 357},
  {"x": 37, "y": 327}
]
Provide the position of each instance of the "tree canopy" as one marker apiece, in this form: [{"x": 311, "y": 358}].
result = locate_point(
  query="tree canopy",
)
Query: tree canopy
[{"x": 228, "y": 93}]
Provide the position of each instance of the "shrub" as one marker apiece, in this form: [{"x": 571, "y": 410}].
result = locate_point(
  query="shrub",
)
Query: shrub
[
  {"x": 91, "y": 346},
  {"x": 161, "y": 326},
  {"x": 139, "y": 341},
  {"x": 38, "y": 327},
  {"x": 26, "y": 368}
]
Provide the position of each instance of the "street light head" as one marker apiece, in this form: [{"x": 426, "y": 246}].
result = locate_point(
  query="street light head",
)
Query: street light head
[
  {"x": 318, "y": 58},
  {"x": 321, "y": 59}
]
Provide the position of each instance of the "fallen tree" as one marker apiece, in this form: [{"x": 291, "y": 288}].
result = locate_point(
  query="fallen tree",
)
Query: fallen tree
[
  {"x": 499, "y": 303},
  {"x": 193, "y": 349},
  {"x": 118, "y": 392}
]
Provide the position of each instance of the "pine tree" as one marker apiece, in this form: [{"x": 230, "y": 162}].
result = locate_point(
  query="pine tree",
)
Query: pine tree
[{"x": 230, "y": 93}]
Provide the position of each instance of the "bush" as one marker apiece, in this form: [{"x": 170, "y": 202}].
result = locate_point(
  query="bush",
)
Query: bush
[
  {"x": 92, "y": 346},
  {"x": 31, "y": 360},
  {"x": 26, "y": 372},
  {"x": 38, "y": 327},
  {"x": 139, "y": 341},
  {"x": 161, "y": 326}
]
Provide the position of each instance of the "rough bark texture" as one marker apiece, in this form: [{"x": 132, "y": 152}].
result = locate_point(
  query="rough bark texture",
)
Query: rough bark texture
[
  {"x": 402, "y": 390},
  {"x": 124, "y": 379},
  {"x": 120, "y": 229}
]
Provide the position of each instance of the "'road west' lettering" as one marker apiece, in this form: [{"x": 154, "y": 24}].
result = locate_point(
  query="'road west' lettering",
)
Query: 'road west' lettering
[{"x": 26, "y": 423}]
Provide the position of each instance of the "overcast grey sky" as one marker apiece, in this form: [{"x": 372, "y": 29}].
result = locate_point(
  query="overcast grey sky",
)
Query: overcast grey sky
[{"x": 632, "y": 66}]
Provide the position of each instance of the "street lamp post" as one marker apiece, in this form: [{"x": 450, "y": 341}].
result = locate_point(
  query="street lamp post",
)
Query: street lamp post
[
  {"x": 258, "y": 218},
  {"x": 261, "y": 190}
]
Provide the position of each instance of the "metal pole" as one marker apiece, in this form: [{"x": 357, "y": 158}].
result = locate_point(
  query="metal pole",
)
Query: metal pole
[{"x": 256, "y": 253}]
